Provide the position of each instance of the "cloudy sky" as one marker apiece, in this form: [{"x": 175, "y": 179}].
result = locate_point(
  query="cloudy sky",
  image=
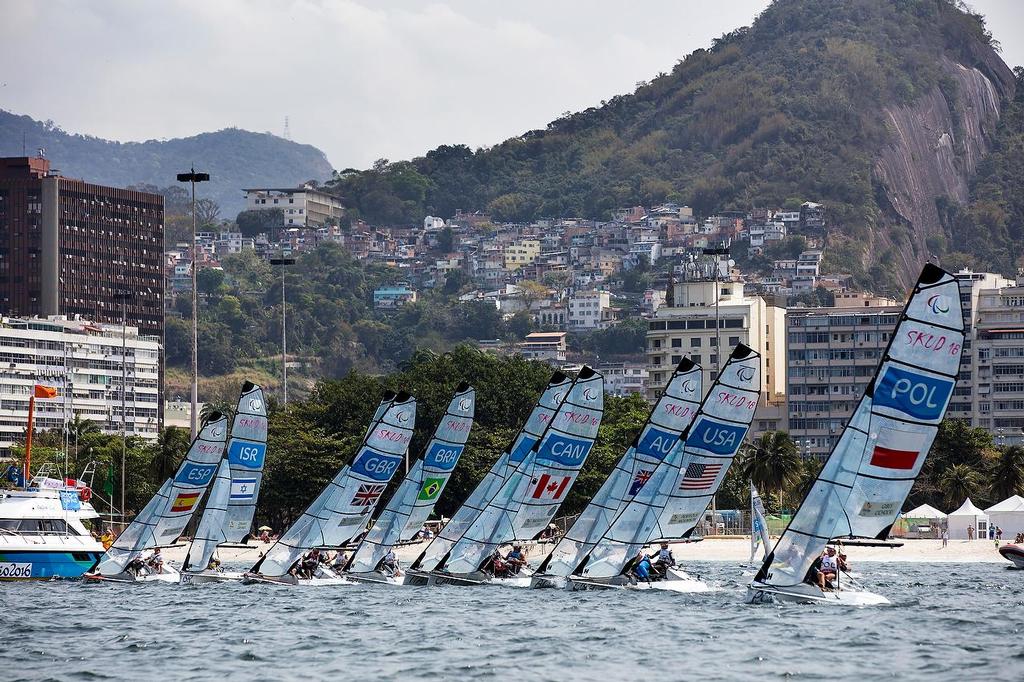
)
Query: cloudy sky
[{"x": 360, "y": 79}]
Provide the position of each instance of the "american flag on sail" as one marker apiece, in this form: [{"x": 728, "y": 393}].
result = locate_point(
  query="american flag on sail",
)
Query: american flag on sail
[
  {"x": 699, "y": 476},
  {"x": 367, "y": 494},
  {"x": 641, "y": 479}
]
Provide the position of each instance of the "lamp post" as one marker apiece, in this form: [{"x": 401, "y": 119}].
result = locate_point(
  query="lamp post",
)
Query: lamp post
[
  {"x": 193, "y": 177},
  {"x": 123, "y": 295},
  {"x": 282, "y": 262},
  {"x": 717, "y": 253}
]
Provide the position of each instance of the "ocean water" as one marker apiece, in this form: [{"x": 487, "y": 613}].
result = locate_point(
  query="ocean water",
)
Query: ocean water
[{"x": 947, "y": 622}]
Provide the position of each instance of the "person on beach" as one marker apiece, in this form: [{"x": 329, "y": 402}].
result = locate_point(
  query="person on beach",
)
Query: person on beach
[
  {"x": 945, "y": 537},
  {"x": 970, "y": 532},
  {"x": 999, "y": 535}
]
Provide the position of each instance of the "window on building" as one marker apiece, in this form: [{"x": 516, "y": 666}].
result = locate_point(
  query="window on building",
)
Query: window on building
[
  {"x": 734, "y": 340},
  {"x": 676, "y": 359},
  {"x": 695, "y": 342},
  {"x": 677, "y": 343},
  {"x": 714, "y": 359}
]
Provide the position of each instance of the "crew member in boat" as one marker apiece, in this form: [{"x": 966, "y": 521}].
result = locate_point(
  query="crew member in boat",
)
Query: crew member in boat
[
  {"x": 214, "y": 564},
  {"x": 309, "y": 563},
  {"x": 515, "y": 559},
  {"x": 107, "y": 539},
  {"x": 664, "y": 559},
  {"x": 340, "y": 559},
  {"x": 642, "y": 568},
  {"x": 156, "y": 562},
  {"x": 389, "y": 564},
  {"x": 829, "y": 565},
  {"x": 499, "y": 566}
]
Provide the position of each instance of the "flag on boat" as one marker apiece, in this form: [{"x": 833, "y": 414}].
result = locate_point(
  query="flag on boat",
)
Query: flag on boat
[
  {"x": 642, "y": 477},
  {"x": 699, "y": 476},
  {"x": 367, "y": 494},
  {"x": 431, "y": 488},
  {"x": 549, "y": 487},
  {"x": 185, "y": 501},
  {"x": 243, "y": 488}
]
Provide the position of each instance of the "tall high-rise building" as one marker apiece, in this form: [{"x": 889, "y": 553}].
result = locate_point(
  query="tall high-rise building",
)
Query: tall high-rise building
[{"x": 72, "y": 248}]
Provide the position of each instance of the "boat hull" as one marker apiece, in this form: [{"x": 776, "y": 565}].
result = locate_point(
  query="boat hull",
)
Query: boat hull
[
  {"x": 169, "y": 575},
  {"x": 45, "y": 564},
  {"x": 376, "y": 578},
  {"x": 1014, "y": 554},
  {"x": 675, "y": 580},
  {"x": 758, "y": 593},
  {"x": 202, "y": 577},
  {"x": 292, "y": 581},
  {"x": 547, "y": 581}
]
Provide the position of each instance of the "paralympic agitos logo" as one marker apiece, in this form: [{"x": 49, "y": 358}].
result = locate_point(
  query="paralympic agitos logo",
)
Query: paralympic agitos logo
[{"x": 939, "y": 304}]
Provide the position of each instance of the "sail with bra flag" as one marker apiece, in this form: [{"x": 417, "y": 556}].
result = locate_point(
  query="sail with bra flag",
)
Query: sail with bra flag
[
  {"x": 530, "y": 496},
  {"x": 538, "y": 420},
  {"x": 670, "y": 417},
  {"x": 680, "y": 490},
  {"x": 341, "y": 511},
  {"x": 863, "y": 484},
  {"x": 415, "y": 498}
]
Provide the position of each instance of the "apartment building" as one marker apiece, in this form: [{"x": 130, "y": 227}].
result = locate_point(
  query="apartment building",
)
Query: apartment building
[
  {"x": 89, "y": 364},
  {"x": 589, "y": 310},
  {"x": 998, "y": 363},
  {"x": 521, "y": 253},
  {"x": 303, "y": 206}
]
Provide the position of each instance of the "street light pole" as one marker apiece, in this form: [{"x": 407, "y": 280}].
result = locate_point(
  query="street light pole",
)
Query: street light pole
[
  {"x": 123, "y": 295},
  {"x": 282, "y": 262},
  {"x": 193, "y": 177}
]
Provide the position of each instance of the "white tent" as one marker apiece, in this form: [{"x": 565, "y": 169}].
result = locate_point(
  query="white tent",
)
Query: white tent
[
  {"x": 968, "y": 515},
  {"x": 925, "y": 511},
  {"x": 1008, "y": 515}
]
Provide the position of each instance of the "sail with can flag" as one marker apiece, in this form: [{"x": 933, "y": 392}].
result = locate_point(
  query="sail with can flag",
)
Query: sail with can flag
[
  {"x": 670, "y": 417},
  {"x": 137, "y": 537},
  {"x": 210, "y": 531},
  {"x": 342, "y": 510},
  {"x": 246, "y": 452},
  {"x": 415, "y": 498},
  {"x": 680, "y": 490},
  {"x": 530, "y": 496},
  {"x": 758, "y": 524},
  {"x": 538, "y": 420},
  {"x": 868, "y": 475}
]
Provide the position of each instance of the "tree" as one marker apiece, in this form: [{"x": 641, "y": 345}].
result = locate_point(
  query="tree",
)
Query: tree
[
  {"x": 207, "y": 213},
  {"x": 445, "y": 239},
  {"x": 773, "y": 464},
  {"x": 1008, "y": 473},
  {"x": 959, "y": 482},
  {"x": 209, "y": 280},
  {"x": 531, "y": 292},
  {"x": 253, "y": 222}
]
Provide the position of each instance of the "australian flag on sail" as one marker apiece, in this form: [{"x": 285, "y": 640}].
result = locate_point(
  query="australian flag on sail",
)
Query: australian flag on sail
[
  {"x": 699, "y": 476},
  {"x": 641, "y": 479}
]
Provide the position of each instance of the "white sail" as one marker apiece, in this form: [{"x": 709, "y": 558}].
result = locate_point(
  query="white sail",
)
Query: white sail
[
  {"x": 758, "y": 524},
  {"x": 194, "y": 475},
  {"x": 679, "y": 491},
  {"x": 246, "y": 452},
  {"x": 670, "y": 417},
  {"x": 863, "y": 484},
  {"x": 529, "y": 498},
  {"x": 137, "y": 537},
  {"x": 536, "y": 423},
  {"x": 342, "y": 510},
  {"x": 415, "y": 498},
  {"x": 210, "y": 531}
]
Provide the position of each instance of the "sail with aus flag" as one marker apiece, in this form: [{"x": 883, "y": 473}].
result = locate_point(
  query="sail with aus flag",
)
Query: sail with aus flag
[
  {"x": 679, "y": 491},
  {"x": 531, "y": 495},
  {"x": 415, "y": 498},
  {"x": 535, "y": 425},
  {"x": 341, "y": 511},
  {"x": 866, "y": 479},
  {"x": 671, "y": 416}
]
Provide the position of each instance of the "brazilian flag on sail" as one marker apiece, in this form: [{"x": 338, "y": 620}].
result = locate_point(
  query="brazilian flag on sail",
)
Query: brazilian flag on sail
[{"x": 431, "y": 488}]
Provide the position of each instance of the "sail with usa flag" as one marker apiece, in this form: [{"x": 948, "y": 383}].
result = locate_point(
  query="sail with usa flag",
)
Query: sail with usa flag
[{"x": 869, "y": 473}]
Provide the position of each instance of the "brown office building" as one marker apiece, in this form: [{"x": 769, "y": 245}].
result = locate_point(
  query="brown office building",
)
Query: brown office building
[{"x": 68, "y": 247}]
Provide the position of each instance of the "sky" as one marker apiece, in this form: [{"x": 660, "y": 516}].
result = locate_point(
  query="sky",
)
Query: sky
[{"x": 360, "y": 79}]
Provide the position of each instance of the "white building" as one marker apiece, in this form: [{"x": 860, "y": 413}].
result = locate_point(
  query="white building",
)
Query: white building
[
  {"x": 83, "y": 361},
  {"x": 623, "y": 378},
  {"x": 302, "y": 206},
  {"x": 588, "y": 310}
]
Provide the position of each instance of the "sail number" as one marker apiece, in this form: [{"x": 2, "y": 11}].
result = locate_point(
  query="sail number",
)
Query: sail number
[
  {"x": 918, "y": 395},
  {"x": 247, "y": 454},
  {"x": 376, "y": 465},
  {"x": 12, "y": 570},
  {"x": 195, "y": 474},
  {"x": 441, "y": 456}
]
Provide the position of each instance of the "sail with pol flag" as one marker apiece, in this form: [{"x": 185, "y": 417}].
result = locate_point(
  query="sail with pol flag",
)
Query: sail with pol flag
[{"x": 868, "y": 475}]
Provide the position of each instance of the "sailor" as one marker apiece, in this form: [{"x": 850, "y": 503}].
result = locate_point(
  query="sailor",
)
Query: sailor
[
  {"x": 499, "y": 566},
  {"x": 664, "y": 559},
  {"x": 107, "y": 539},
  {"x": 340, "y": 559},
  {"x": 156, "y": 562},
  {"x": 829, "y": 566},
  {"x": 642, "y": 570},
  {"x": 516, "y": 559},
  {"x": 135, "y": 565},
  {"x": 389, "y": 564},
  {"x": 309, "y": 564},
  {"x": 214, "y": 564}
]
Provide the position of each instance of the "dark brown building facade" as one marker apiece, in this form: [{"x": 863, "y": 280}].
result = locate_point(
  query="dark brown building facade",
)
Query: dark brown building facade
[{"x": 68, "y": 247}]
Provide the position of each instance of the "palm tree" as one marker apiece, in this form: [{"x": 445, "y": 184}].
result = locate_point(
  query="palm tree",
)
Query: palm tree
[
  {"x": 959, "y": 482},
  {"x": 772, "y": 463},
  {"x": 1008, "y": 473}
]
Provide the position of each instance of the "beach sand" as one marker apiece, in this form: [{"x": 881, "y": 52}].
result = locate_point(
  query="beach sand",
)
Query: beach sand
[{"x": 731, "y": 549}]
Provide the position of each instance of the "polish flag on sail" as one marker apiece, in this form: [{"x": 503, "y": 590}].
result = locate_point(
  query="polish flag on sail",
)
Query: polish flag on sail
[
  {"x": 897, "y": 450},
  {"x": 549, "y": 487}
]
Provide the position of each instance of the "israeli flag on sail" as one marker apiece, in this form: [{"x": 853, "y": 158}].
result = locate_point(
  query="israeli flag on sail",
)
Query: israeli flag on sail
[{"x": 243, "y": 488}]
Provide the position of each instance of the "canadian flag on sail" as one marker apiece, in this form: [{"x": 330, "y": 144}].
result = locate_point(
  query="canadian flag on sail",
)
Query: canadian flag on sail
[{"x": 548, "y": 487}]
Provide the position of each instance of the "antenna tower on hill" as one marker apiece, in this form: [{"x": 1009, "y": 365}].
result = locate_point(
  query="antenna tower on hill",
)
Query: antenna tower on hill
[{"x": 287, "y": 130}]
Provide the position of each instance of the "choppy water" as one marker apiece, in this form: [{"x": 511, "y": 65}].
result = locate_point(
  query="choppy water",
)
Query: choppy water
[{"x": 948, "y": 622}]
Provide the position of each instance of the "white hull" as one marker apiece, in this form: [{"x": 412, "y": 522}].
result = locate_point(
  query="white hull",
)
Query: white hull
[
  {"x": 189, "y": 578},
  {"x": 675, "y": 580},
  {"x": 546, "y": 581},
  {"x": 810, "y": 594},
  {"x": 169, "y": 575},
  {"x": 376, "y": 578},
  {"x": 324, "y": 578}
]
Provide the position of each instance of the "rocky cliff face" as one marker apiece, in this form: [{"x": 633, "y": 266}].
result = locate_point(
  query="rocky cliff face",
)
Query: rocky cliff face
[{"x": 933, "y": 152}]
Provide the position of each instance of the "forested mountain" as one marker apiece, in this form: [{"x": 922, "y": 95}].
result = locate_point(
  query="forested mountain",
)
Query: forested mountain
[
  {"x": 881, "y": 110},
  {"x": 234, "y": 158}
]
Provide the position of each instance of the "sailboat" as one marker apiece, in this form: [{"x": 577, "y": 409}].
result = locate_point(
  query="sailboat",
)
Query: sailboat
[
  {"x": 671, "y": 416},
  {"x": 165, "y": 516},
  {"x": 413, "y": 502},
  {"x": 342, "y": 509},
  {"x": 674, "y": 500},
  {"x": 235, "y": 489},
  {"x": 868, "y": 475},
  {"x": 758, "y": 525},
  {"x": 536, "y": 423},
  {"x": 528, "y": 499}
]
